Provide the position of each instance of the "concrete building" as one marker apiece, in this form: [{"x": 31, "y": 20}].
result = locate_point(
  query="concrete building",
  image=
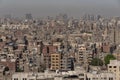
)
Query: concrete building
[
  {"x": 67, "y": 62},
  {"x": 69, "y": 75},
  {"x": 84, "y": 56},
  {"x": 55, "y": 61},
  {"x": 114, "y": 67},
  {"x": 33, "y": 76},
  {"x": 47, "y": 51},
  {"x": 100, "y": 76}
]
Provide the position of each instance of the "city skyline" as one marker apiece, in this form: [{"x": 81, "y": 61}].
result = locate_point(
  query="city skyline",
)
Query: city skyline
[
  {"x": 59, "y": 40},
  {"x": 74, "y": 8}
]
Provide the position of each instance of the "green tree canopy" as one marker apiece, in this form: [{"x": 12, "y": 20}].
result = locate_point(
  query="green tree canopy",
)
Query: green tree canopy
[
  {"x": 108, "y": 58},
  {"x": 96, "y": 62},
  {"x": 5, "y": 69}
]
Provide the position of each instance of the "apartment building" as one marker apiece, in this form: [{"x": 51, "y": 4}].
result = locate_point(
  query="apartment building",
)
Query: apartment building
[
  {"x": 47, "y": 51},
  {"x": 84, "y": 55},
  {"x": 67, "y": 62},
  {"x": 114, "y": 67},
  {"x": 55, "y": 61},
  {"x": 100, "y": 76}
]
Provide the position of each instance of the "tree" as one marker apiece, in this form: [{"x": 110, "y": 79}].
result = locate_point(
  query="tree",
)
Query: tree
[
  {"x": 96, "y": 62},
  {"x": 108, "y": 58},
  {"x": 6, "y": 69}
]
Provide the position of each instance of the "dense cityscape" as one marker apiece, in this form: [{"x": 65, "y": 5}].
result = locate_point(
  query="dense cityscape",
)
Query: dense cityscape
[{"x": 60, "y": 48}]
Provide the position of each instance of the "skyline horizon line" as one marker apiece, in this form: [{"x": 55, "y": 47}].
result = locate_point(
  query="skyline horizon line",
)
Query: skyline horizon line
[{"x": 53, "y": 16}]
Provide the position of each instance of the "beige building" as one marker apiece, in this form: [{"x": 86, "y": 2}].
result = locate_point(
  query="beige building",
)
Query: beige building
[
  {"x": 83, "y": 56},
  {"x": 114, "y": 67},
  {"x": 55, "y": 61},
  {"x": 80, "y": 54}
]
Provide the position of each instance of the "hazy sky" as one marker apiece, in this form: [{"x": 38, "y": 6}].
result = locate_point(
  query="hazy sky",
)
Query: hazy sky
[{"x": 52, "y": 7}]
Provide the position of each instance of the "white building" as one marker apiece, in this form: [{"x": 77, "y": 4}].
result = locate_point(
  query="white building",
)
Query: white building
[
  {"x": 78, "y": 74},
  {"x": 114, "y": 67},
  {"x": 101, "y": 76}
]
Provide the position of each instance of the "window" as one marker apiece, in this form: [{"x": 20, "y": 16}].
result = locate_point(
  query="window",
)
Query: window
[
  {"x": 57, "y": 65},
  {"x": 24, "y": 78},
  {"x": 53, "y": 58},
  {"x": 105, "y": 78},
  {"x": 57, "y": 59},
  {"x": 114, "y": 66},
  {"x": 57, "y": 56},
  {"x": 53, "y": 64},
  {"x": 53, "y": 61},
  {"x": 93, "y": 78},
  {"x": 15, "y": 78},
  {"x": 57, "y": 62},
  {"x": 110, "y": 66},
  {"x": 53, "y": 55},
  {"x": 110, "y": 78}
]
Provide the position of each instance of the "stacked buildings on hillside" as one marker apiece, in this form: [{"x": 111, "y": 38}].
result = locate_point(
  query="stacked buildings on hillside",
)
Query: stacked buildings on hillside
[{"x": 60, "y": 44}]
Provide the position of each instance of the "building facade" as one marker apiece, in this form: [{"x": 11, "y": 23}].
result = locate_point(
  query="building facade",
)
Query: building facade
[{"x": 114, "y": 67}]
